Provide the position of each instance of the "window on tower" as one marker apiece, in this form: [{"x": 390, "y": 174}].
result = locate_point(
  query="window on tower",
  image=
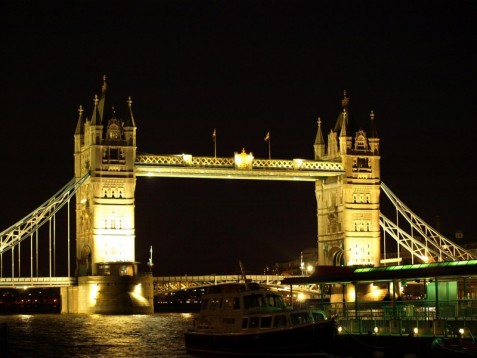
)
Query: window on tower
[
  {"x": 114, "y": 132},
  {"x": 360, "y": 142}
]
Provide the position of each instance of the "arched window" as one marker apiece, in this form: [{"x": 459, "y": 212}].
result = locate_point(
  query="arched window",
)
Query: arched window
[{"x": 360, "y": 142}]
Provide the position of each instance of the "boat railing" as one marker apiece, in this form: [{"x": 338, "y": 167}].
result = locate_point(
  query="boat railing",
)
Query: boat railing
[
  {"x": 421, "y": 309},
  {"x": 405, "y": 317}
]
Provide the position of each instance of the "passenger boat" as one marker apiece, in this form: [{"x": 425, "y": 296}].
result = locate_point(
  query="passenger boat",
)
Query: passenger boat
[
  {"x": 245, "y": 319},
  {"x": 454, "y": 347}
]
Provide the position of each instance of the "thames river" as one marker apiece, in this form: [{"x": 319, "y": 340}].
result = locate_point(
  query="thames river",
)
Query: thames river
[{"x": 55, "y": 335}]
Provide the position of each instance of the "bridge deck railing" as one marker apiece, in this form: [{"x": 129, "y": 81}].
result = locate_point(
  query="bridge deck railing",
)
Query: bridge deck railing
[{"x": 229, "y": 163}]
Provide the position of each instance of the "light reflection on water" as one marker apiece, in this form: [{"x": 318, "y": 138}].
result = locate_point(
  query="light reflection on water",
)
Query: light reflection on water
[{"x": 158, "y": 335}]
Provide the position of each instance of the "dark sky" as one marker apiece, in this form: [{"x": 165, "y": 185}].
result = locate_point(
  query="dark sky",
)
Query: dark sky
[{"x": 245, "y": 68}]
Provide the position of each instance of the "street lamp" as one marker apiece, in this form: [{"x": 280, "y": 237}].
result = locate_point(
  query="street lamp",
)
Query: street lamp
[
  {"x": 310, "y": 269},
  {"x": 302, "y": 264}
]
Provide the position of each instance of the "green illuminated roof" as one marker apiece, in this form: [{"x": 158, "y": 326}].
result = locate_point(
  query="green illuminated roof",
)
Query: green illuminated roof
[
  {"x": 448, "y": 269},
  {"x": 417, "y": 266}
]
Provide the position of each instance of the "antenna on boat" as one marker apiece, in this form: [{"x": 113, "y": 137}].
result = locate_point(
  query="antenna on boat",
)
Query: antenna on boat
[{"x": 243, "y": 274}]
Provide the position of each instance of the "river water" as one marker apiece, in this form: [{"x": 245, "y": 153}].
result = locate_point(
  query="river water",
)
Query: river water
[{"x": 55, "y": 335}]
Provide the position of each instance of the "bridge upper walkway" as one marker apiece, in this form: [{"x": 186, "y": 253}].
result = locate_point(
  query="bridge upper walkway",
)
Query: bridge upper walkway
[{"x": 242, "y": 166}]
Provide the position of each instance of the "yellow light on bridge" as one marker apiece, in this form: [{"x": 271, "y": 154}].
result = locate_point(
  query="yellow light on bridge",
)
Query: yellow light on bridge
[
  {"x": 138, "y": 289},
  {"x": 187, "y": 158},
  {"x": 297, "y": 163},
  {"x": 243, "y": 160},
  {"x": 93, "y": 293}
]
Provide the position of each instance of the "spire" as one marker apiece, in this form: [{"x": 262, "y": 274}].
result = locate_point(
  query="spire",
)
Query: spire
[
  {"x": 345, "y": 100},
  {"x": 344, "y": 122},
  {"x": 105, "y": 107},
  {"x": 319, "y": 134},
  {"x": 130, "y": 122},
  {"x": 102, "y": 100},
  {"x": 104, "y": 87},
  {"x": 373, "y": 132},
  {"x": 343, "y": 116},
  {"x": 80, "y": 124},
  {"x": 96, "y": 117},
  {"x": 319, "y": 143},
  {"x": 373, "y": 135}
]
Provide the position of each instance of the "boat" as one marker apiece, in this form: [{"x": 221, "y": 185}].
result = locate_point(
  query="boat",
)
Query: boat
[
  {"x": 454, "y": 347},
  {"x": 246, "y": 319}
]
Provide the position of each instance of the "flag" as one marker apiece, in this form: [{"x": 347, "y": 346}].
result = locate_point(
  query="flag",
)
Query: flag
[
  {"x": 267, "y": 137},
  {"x": 214, "y": 135}
]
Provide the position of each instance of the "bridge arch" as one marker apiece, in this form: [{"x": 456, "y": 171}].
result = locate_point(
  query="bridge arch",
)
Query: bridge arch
[{"x": 337, "y": 256}]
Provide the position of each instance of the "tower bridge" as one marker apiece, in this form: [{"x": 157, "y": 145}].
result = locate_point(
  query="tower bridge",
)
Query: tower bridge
[{"x": 103, "y": 276}]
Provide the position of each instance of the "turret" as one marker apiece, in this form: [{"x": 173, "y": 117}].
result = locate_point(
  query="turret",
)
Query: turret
[
  {"x": 96, "y": 123},
  {"x": 373, "y": 138},
  {"x": 319, "y": 145},
  {"x": 79, "y": 132},
  {"x": 130, "y": 125},
  {"x": 343, "y": 133}
]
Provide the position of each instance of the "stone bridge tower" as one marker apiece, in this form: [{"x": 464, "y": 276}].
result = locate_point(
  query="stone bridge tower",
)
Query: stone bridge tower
[
  {"x": 348, "y": 205},
  {"x": 108, "y": 277}
]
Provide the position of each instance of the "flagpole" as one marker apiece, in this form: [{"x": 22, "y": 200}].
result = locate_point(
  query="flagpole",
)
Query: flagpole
[
  {"x": 214, "y": 137},
  {"x": 267, "y": 139},
  {"x": 269, "y": 149}
]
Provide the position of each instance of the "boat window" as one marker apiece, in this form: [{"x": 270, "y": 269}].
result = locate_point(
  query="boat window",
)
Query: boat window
[
  {"x": 253, "y": 322},
  {"x": 231, "y": 303},
  {"x": 266, "y": 322},
  {"x": 205, "y": 303},
  {"x": 228, "y": 321},
  {"x": 244, "y": 322},
  {"x": 318, "y": 316},
  {"x": 275, "y": 301},
  {"x": 280, "y": 321},
  {"x": 253, "y": 301},
  {"x": 300, "y": 318},
  {"x": 215, "y": 303}
]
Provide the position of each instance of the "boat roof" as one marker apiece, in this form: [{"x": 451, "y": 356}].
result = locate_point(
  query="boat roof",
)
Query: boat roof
[{"x": 232, "y": 287}]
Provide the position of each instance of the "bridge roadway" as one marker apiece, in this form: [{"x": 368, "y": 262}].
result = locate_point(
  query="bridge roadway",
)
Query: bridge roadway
[
  {"x": 161, "y": 283},
  {"x": 242, "y": 166},
  {"x": 172, "y": 283}
]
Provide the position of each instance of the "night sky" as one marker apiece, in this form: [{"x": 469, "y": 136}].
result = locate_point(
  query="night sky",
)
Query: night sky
[{"x": 244, "y": 68}]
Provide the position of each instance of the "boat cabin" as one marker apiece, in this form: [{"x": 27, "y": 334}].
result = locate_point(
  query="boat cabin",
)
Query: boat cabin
[{"x": 232, "y": 307}]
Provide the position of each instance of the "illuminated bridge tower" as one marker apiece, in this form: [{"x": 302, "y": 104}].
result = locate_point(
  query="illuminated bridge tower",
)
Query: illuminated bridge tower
[
  {"x": 108, "y": 277},
  {"x": 348, "y": 205}
]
